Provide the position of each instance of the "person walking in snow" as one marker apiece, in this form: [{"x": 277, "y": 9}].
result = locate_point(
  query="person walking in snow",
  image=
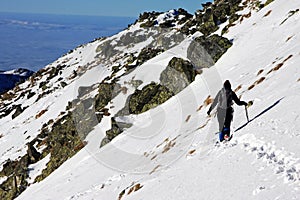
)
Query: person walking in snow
[{"x": 224, "y": 100}]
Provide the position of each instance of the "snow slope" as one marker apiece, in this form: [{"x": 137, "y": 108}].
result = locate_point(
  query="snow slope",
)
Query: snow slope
[{"x": 170, "y": 151}]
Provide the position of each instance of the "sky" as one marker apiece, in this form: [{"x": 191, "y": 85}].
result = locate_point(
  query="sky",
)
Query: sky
[{"x": 131, "y": 8}]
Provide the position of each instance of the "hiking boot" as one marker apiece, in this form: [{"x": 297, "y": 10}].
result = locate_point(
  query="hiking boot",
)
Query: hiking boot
[{"x": 226, "y": 137}]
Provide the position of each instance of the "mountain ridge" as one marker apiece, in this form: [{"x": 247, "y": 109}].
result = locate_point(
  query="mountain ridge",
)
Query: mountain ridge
[{"x": 9, "y": 79}]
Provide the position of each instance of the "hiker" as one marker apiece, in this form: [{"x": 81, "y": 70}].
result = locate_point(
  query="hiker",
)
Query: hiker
[{"x": 224, "y": 110}]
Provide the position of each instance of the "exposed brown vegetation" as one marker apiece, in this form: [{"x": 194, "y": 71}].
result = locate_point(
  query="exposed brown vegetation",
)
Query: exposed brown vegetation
[
  {"x": 192, "y": 151},
  {"x": 251, "y": 87},
  {"x": 256, "y": 83},
  {"x": 200, "y": 107},
  {"x": 153, "y": 157},
  {"x": 199, "y": 71},
  {"x": 268, "y": 13},
  {"x": 130, "y": 190},
  {"x": 238, "y": 88},
  {"x": 42, "y": 143},
  {"x": 260, "y": 80},
  {"x": 80, "y": 146},
  {"x": 105, "y": 112},
  {"x": 168, "y": 146},
  {"x": 124, "y": 90},
  {"x": 208, "y": 100},
  {"x": 134, "y": 188},
  {"x": 8, "y": 96},
  {"x": 202, "y": 126},
  {"x": 146, "y": 154},
  {"x": 278, "y": 66},
  {"x": 289, "y": 38},
  {"x": 166, "y": 140},
  {"x": 32, "y": 81},
  {"x": 245, "y": 16},
  {"x": 41, "y": 113},
  {"x": 155, "y": 168},
  {"x": 259, "y": 72},
  {"x": 188, "y": 118},
  {"x": 121, "y": 195},
  {"x": 287, "y": 58},
  {"x": 175, "y": 138}
]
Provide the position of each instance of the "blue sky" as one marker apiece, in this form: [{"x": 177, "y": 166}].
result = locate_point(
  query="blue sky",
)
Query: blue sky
[{"x": 97, "y": 7}]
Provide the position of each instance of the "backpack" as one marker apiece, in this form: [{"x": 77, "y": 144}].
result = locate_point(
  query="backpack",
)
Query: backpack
[{"x": 225, "y": 98}]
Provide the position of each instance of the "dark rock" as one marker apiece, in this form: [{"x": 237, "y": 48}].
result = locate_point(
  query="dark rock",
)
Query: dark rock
[
  {"x": 199, "y": 56},
  {"x": 63, "y": 84},
  {"x": 148, "y": 15},
  {"x": 17, "y": 173},
  {"x": 167, "y": 24},
  {"x": 215, "y": 45},
  {"x": 18, "y": 110},
  {"x": 106, "y": 49},
  {"x": 83, "y": 90},
  {"x": 33, "y": 154},
  {"x": 112, "y": 133},
  {"x": 149, "y": 97},
  {"x": 206, "y": 5},
  {"x": 43, "y": 85},
  {"x": 149, "y": 19},
  {"x": 178, "y": 74},
  {"x": 30, "y": 94},
  {"x": 186, "y": 15},
  {"x": 221, "y": 13},
  {"x": 148, "y": 24},
  {"x": 208, "y": 19},
  {"x": 268, "y": 2},
  {"x": 209, "y": 24},
  {"x": 106, "y": 92},
  {"x": 53, "y": 72},
  {"x": 147, "y": 53},
  {"x": 116, "y": 129}
]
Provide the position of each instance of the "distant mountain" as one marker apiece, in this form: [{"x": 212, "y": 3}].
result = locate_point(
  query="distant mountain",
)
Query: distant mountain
[{"x": 9, "y": 79}]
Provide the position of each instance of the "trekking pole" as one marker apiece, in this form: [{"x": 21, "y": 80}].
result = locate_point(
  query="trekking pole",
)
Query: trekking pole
[{"x": 247, "y": 113}]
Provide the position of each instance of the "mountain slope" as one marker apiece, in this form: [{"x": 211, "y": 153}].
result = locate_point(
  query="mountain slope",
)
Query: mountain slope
[{"x": 169, "y": 151}]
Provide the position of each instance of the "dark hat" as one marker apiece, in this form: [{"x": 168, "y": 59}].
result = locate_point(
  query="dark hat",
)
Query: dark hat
[{"x": 227, "y": 84}]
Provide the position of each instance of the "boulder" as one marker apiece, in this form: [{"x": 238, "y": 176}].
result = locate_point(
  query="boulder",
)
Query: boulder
[
  {"x": 178, "y": 74},
  {"x": 215, "y": 45},
  {"x": 116, "y": 129},
  {"x": 149, "y": 97},
  {"x": 106, "y": 92}
]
